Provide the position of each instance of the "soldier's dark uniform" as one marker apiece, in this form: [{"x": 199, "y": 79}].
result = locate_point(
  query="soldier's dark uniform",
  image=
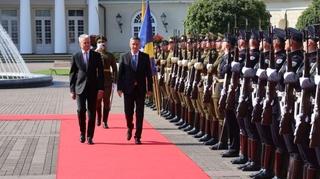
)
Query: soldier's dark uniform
[
  {"x": 296, "y": 55},
  {"x": 110, "y": 77},
  {"x": 263, "y": 130},
  {"x": 303, "y": 125},
  {"x": 243, "y": 46},
  {"x": 245, "y": 107},
  {"x": 230, "y": 116}
]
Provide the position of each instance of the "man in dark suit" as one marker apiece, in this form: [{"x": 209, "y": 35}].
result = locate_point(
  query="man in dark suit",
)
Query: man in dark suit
[
  {"x": 134, "y": 81},
  {"x": 86, "y": 85}
]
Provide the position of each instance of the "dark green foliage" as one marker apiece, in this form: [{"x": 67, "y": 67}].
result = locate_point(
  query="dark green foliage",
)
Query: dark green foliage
[
  {"x": 214, "y": 15},
  {"x": 310, "y": 15}
]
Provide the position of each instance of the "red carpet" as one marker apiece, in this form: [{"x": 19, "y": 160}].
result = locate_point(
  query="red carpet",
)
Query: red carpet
[{"x": 114, "y": 157}]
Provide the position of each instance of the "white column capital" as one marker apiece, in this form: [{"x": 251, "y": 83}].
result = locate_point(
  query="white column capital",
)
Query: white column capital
[
  {"x": 93, "y": 16},
  {"x": 25, "y": 27},
  {"x": 60, "y": 38}
]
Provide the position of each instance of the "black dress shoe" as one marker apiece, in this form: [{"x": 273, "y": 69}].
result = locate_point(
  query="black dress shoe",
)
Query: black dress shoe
[
  {"x": 211, "y": 141},
  {"x": 105, "y": 125},
  {"x": 219, "y": 146},
  {"x": 82, "y": 138},
  {"x": 251, "y": 167},
  {"x": 90, "y": 142},
  {"x": 240, "y": 160},
  {"x": 194, "y": 131},
  {"x": 98, "y": 122},
  {"x": 244, "y": 165},
  {"x": 205, "y": 138},
  {"x": 137, "y": 141},
  {"x": 129, "y": 134},
  {"x": 230, "y": 153},
  {"x": 199, "y": 135}
]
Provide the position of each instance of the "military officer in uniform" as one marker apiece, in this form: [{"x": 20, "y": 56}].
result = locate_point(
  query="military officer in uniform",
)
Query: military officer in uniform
[{"x": 110, "y": 77}]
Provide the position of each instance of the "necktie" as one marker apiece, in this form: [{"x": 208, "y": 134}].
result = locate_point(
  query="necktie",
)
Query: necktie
[
  {"x": 86, "y": 59},
  {"x": 134, "y": 62}
]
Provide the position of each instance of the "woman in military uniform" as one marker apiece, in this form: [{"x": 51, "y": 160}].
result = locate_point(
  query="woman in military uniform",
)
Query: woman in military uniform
[{"x": 110, "y": 76}]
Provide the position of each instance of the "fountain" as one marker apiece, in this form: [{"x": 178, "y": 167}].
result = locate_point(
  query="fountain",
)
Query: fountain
[{"x": 14, "y": 72}]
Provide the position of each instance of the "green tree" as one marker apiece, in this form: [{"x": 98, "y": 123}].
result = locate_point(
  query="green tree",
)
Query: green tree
[
  {"x": 215, "y": 15},
  {"x": 310, "y": 15}
]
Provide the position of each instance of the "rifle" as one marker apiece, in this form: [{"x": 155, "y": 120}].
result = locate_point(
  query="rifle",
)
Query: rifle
[
  {"x": 162, "y": 68},
  {"x": 178, "y": 76},
  {"x": 288, "y": 109},
  {"x": 226, "y": 83},
  {"x": 235, "y": 76},
  {"x": 175, "y": 69},
  {"x": 271, "y": 86},
  {"x": 208, "y": 87},
  {"x": 315, "y": 119},
  {"x": 261, "y": 90},
  {"x": 198, "y": 67},
  {"x": 302, "y": 126},
  {"x": 246, "y": 89},
  {"x": 191, "y": 75}
]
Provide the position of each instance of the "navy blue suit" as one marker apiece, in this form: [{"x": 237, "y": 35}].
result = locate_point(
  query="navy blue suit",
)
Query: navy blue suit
[{"x": 134, "y": 84}]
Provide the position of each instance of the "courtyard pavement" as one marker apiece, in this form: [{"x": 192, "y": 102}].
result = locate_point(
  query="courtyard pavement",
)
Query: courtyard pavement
[{"x": 28, "y": 149}]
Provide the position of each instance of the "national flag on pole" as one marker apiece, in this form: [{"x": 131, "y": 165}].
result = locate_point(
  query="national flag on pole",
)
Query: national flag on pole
[
  {"x": 143, "y": 9},
  {"x": 145, "y": 33}
]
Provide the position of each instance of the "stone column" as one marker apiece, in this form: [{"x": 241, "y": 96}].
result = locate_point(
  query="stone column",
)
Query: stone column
[
  {"x": 60, "y": 37},
  {"x": 93, "y": 13},
  {"x": 25, "y": 27}
]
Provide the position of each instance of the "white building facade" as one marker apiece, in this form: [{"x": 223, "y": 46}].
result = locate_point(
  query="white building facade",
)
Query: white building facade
[{"x": 53, "y": 26}]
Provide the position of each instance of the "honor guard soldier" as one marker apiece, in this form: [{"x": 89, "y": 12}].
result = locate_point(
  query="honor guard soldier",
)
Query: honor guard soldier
[
  {"x": 287, "y": 123},
  {"x": 110, "y": 77}
]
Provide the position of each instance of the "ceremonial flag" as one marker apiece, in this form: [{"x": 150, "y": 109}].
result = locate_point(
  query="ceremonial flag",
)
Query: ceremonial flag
[{"x": 145, "y": 34}]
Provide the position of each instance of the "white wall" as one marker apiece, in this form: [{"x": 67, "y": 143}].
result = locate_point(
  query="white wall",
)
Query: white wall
[{"x": 176, "y": 12}]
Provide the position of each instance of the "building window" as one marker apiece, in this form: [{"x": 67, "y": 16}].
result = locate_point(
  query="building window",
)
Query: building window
[
  {"x": 75, "y": 24},
  {"x": 43, "y": 27},
  {"x": 9, "y": 21},
  {"x": 136, "y": 24}
]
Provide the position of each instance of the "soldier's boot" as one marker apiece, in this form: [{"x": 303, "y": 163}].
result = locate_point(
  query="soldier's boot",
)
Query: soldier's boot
[
  {"x": 188, "y": 119},
  {"x": 295, "y": 168},
  {"x": 170, "y": 111},
  {"x": 312, "y": 173},
  {"x": 305, "y": 169},
  {"x": 196, "y": 126},
  {"x": 99, "y": 115},
  {"x": 207, "y": 136},
  {"x": 202, "y": 127},
  {"x": 223, "y": 139},
  {"x": 254, "y": 164},
  {"x": 105, "y": 118},
  {"x": 279, "y": 165},
  {"x": 214, "y": 132},
  {"x": 248, "y": 154},
  {"x": 261, "y": 162},
  {"x": 185, "y": 119},
  {"x": 178, "y": 113},
  {"x": 192, "y": 122},
  {"x": 173, "y": 112},
  {"x": 243, "y": 158},
  {"x": 182, "y": 117},
  {"x": 266, "y": 172}
]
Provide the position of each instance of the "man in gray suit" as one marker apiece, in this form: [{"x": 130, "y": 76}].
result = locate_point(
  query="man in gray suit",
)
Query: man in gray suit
[{"x": 134, "y": 82}]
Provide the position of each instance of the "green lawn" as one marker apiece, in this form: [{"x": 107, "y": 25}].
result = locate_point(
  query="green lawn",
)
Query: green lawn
[{"x": 61, "y": 72}]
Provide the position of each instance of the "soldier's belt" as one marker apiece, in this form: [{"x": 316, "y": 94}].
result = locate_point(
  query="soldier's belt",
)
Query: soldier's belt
[
  {"x": 107, "y": 70},
  {"x": 219, "y": 80}
]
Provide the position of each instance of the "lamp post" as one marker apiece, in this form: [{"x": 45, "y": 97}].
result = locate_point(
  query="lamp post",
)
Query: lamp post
[
  {"x": 163, "y": 19},
  {"x": 119, "y": 21}
]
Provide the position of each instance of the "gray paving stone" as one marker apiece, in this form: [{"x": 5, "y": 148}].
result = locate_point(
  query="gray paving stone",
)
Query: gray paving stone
[{"x": 39, "y": 152}]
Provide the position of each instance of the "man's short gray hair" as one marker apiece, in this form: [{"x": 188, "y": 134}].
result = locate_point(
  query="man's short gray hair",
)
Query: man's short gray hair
[{"x": 83, "y": 36}]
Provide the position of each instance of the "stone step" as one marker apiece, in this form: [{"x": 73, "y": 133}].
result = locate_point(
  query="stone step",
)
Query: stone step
[{"x": 36, "y": 58}]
